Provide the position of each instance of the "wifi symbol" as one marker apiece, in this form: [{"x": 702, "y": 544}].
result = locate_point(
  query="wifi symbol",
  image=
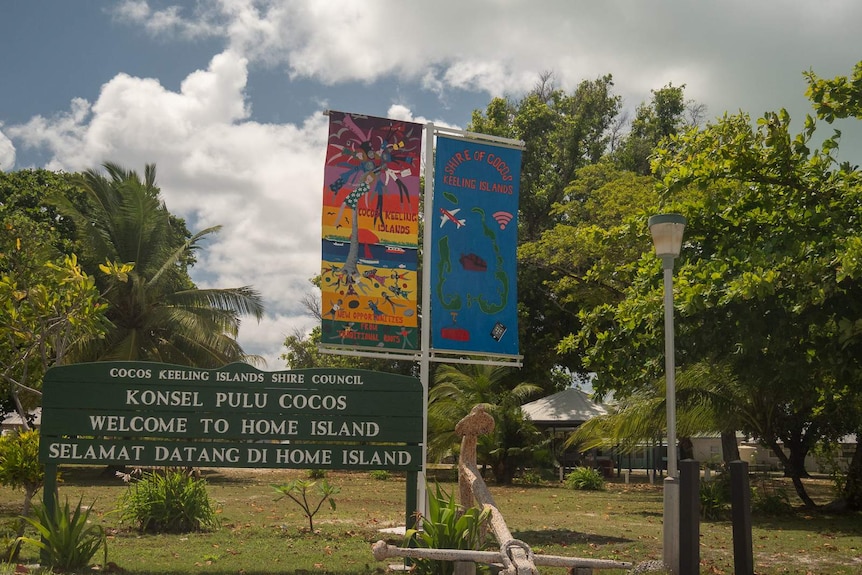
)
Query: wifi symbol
[{"x": 503, "y": 218}]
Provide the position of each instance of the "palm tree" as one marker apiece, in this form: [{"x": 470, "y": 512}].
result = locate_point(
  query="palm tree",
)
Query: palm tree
[
  {"x": 706, "y": 402},
  {"x": 457, "y": 390},
  {"x": 143, "y": 252}
]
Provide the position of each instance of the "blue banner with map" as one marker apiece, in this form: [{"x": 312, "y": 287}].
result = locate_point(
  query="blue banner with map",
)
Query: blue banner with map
[{"x": 473, "y": 248}]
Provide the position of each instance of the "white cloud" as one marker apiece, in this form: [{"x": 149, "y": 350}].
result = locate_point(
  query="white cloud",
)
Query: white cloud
[
  {"x": 7, "y": 152},
  {"x": 166, "y": 22},
  {"x": 722, "y": 52},
  {"x": 261, "y": 182}
]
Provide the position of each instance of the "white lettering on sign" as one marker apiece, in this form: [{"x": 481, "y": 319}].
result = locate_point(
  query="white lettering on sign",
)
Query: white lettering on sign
[
  {"x": 346, "y": 429},
  {"x": 242, "y": 400},
  {"x": 397, "y": 457},
  {"x": 336, "y": 379},
  {"x": 150, "y": 397},
  {"x": 256, "y": 455},
  {"x": 139, "y": 423},
  {"x": 304, "y": 456},
  {"x": 269, "y": 427},
  {"x": 217, "y": 425},
  {"x": 130, "y": 373},
  {"x": 183, "y": 375},
  {"x": 288, "y": 378},
  {"x": 74, "y": 451},
  {"x": 239, "y": 377},
  {"x": 314, "y": 401},
  {"x": 194, "y": 454}
]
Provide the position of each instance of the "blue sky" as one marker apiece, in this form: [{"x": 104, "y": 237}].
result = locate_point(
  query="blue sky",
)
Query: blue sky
[{"x": 226, "y": 97}]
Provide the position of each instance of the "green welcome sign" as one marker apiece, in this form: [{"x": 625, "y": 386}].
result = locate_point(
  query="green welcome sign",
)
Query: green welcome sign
[{"x": 153, "y": 414}]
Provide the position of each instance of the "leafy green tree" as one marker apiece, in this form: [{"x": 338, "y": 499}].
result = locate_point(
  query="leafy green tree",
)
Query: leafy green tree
[
  {"x": 24, "y": 194},
  {"x": 46, "y": 303},
  {"x": 662, "y": 117},
  {"x": 763, "y": 283},
  {"x": 156, "y": 312},
  {"x": 839, "y": 98},
  {"x": 457, "y": 389},
  {"x": 49, "y": 308},
  {"x": 563, "y": 132}
]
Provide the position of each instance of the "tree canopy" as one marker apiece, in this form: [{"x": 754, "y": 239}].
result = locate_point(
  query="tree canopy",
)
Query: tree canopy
[
  {"x": 49, "y": 306},
  {"x": 766, "y": 284}
]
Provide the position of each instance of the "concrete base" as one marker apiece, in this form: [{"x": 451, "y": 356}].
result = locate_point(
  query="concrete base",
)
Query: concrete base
[{"x": 671, "y": 524}]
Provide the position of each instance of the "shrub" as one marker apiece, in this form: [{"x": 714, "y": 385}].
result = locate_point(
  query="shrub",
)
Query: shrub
[
  {"x": 172, "y": 501},
  {"x": 714, "y": 498},
  {"x": 66, "y": 541},
  {"x": 316, "y": 473},
  {"x": 380, "y": 474},
  {"x": 20, "y": 469},
  {"x": 769, "y": 498},
  {"x": 9, "y": 543},
  {"x": 828, "y": 458},
  {"x": 585, "y": 479},
  {"x": 447, "y": 526},
  {"x": 531, "y": 478}
]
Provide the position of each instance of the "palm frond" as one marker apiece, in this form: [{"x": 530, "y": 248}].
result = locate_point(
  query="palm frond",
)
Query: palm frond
[{"x": 171, "y": 260}]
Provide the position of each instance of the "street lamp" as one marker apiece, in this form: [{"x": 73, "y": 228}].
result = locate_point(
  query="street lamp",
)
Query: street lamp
[{"x": 667, "y": 230}]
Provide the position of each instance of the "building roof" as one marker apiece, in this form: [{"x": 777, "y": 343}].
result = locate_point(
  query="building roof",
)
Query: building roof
[
  {"x": 14, "y": 420},
  {"x": 569, "y": 407}
]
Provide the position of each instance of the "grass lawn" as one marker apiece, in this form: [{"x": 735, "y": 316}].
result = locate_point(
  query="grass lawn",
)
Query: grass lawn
[{"x": 259, "y": 535}]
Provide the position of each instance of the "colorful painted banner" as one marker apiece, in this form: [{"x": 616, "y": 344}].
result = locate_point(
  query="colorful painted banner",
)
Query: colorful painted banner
[
  {"x": 473, "y": 248},
  {"x": 370, "y": 232}
]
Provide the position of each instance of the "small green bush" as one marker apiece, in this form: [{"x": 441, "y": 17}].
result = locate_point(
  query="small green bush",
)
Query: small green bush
[
  {"x": 380, "y": 474},
  {"x": 20, "y": 469},
  {"x": 531, "y": 478},
  {"x": 447, "y": 526},
  {"x": 9, "y": 542},
  {"x": 585, "y": 479},
  {"x": 66, "y": 541},
  {"x": 770, "y": 498},
  {"x": 316, "y": 473},
  {"x": 172, "y": 501},
  {"x": 714, "y": 498}
]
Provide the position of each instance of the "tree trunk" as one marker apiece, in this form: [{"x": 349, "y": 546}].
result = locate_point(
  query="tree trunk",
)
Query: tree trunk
[
  {"x": 15, "y": 549},
  {"x": 504, "y": 471},
  {"x": 25, "y": 424},
  {"x": 852, "y": 493},
  {"x": 794, "y": 477},
  {"x": 796, "y": 467},
  {"x": 729, "y": 447}
]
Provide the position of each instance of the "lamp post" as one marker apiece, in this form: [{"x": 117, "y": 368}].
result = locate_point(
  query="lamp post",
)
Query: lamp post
[{"x": 667, "y": 230}]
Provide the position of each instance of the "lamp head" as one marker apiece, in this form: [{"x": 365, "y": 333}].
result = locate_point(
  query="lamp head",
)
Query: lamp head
[{"x": 667, "y": 230}]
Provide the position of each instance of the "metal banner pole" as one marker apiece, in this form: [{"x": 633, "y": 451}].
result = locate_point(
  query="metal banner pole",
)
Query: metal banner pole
[{"x": 425, "y": 328}]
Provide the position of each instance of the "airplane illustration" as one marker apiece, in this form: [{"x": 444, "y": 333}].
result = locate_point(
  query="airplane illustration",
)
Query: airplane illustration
[{"x": 450, "y": 217}]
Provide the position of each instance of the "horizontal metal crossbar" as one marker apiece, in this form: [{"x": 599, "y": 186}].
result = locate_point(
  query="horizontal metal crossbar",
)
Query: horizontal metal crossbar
[{"x": 382, "y": 550}]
